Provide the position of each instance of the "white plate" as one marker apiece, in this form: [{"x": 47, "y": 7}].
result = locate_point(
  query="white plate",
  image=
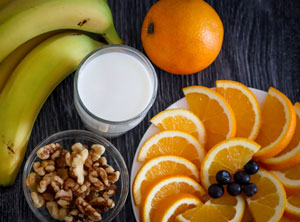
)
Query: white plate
[{"x": 182, "y": 103}]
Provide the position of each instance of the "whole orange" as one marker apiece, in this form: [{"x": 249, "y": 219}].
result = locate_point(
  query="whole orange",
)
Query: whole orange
[{"x": 182, "y": 36}]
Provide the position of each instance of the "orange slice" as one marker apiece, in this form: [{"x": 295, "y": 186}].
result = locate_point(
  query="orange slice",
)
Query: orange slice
[
  {"x": 244, "y": 105},
  {"x": 290, "y": 156},
  {"x": 290, "y": 178},
  {"x": 171, "y": 207},
  {"x": 224, "y": 209},
  {"x": 278, "y": 124},
  {"x": 287, "y": 219},
  {"x": 292, "y": 209},
  {"x": 166, "y": 188},
  {"x": 247, "y": 217},
  {"x": 172, "y": 142},
  {"x": 269, "y": 202},
  {"x": 214, "y": 111},
  {"x": 230, "y": 155},
  {"x": 182, "y": 120},
  {"x": 159, "y": 168}
]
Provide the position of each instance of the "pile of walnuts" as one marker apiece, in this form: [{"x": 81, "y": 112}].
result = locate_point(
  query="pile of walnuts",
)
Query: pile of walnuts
[{"x": 73, "y": 186}]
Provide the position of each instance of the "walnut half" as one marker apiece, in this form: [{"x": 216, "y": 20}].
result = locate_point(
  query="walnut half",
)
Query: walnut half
[
  {"x": 56, "y": 212},
  {"x": 38, "y": 200},
  {"x": 87, "y": 209},
  {"x": 77, "y": 165},
  {"x": 46, "y": 151}
]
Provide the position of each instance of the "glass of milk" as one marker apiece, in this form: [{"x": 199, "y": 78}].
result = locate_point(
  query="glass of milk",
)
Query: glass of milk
[{"x": 115, "y": 86}]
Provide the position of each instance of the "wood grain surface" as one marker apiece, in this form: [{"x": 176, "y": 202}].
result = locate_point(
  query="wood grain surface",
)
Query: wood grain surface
[{"x": 261, "y": 48}]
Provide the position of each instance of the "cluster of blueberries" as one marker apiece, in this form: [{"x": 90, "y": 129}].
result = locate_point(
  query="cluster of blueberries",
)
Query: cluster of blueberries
[{"x": 241, "y": 182}]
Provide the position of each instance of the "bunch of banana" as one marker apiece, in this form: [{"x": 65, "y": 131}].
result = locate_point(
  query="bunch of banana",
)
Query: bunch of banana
[
  {"x": 36, "y": 54},
  {"x": 23, "y": 20}
]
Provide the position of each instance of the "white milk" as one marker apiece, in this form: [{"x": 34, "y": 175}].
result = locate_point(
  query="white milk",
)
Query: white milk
[{"x": 115, "y": 86}]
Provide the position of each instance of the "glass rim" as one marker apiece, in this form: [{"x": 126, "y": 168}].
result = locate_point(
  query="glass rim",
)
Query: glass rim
[
  {"x": 124, "y": 174},
  {"x": 141, "y": 57}
]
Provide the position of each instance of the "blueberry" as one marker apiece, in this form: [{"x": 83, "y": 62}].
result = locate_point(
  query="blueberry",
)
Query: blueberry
[
  {"x": 241, "y": 177},
  {"x": 250, "y": 189},
  {"x": 215, "y": 190},
  {"x": 223, "y": 177},
  {"x": 251, "y": 167},
  {"x": 234, "y": 189}
]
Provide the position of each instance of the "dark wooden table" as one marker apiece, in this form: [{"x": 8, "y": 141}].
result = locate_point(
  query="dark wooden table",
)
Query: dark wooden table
[{"x": 261, "y": 48}]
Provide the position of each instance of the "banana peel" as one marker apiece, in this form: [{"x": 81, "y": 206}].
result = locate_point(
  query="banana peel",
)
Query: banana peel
[
  {"x": 8, "y": 65},
  {"x": 23, "y": 20}
]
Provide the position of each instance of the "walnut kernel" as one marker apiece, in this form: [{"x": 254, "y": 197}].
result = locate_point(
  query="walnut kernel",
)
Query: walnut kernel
[
  {"x": 87, "y": 209},
  {"x": 77, "y": 165},
  {"x": 37, "y": 167},
  {"x": 97, "y": 151},
  {"x": 32, "y": 180},
  {"x": 46, "y": 151},
  {"x": 38, "y": 200}
]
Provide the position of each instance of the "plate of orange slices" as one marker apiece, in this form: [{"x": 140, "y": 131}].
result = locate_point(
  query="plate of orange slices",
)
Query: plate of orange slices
[{"x": 210, "y": 130}]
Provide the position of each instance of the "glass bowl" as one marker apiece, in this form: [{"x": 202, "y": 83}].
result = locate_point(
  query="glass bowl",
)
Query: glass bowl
[
  {"x": 67, "y": 139},
  {"x": 109, "y": 128}
]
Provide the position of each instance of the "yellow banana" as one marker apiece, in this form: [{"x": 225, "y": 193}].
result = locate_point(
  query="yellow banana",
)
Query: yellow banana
[
  {"x": 25, "y": 22},
  {"x": 27, "y": 89},
  {"x": 13, "y": 7},
  {"x": 8, "y": 65},
  {"x": 3, "y": 3}
]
